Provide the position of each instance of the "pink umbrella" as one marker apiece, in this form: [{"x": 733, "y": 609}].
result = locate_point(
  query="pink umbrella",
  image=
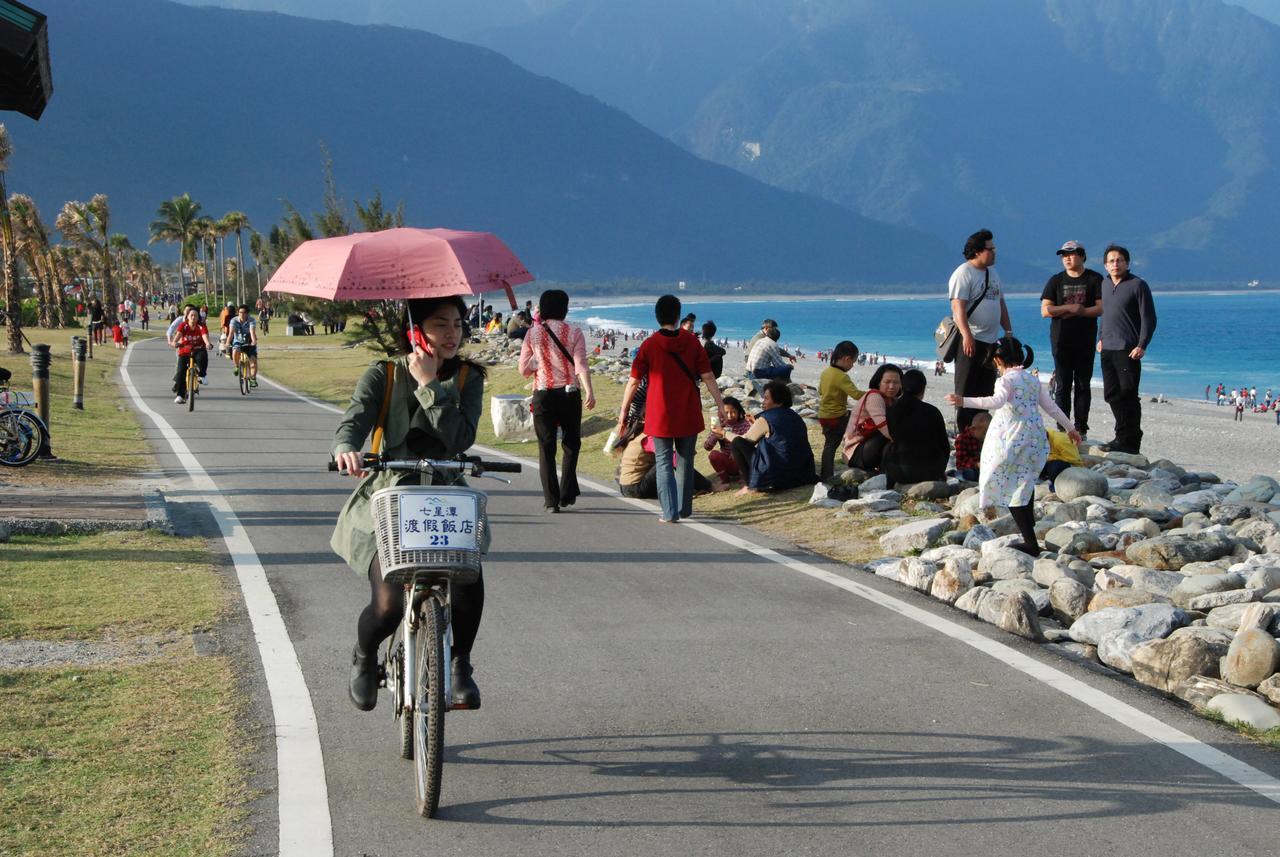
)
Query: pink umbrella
[{"x": 397, "y": 264}]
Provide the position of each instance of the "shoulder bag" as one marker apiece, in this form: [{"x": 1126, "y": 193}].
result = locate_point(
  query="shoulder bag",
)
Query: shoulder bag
[{"x": 947, "y": 337}]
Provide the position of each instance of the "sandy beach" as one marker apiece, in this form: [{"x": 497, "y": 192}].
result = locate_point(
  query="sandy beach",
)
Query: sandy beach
[{"x": 1196, "y": 435}]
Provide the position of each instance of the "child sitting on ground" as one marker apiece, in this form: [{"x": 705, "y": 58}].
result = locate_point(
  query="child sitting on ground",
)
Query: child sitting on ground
[
  {"x": 969, "y": 447},
  {"x": 717, "y": 445}
]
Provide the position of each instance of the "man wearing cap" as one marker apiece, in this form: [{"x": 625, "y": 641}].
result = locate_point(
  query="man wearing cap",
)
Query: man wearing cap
[
  {"x": 1072, "y": 298},
  {"x": 1128, "y": 323}
]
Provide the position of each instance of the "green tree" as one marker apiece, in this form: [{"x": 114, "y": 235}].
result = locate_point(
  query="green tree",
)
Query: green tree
[
  {"x": 258, "y": 250},
  {"x": 31, "y": 238},
  {"x": 176, "y": 223},
  {"x": 87, "y": 226},
  {"x": 122, "y": 247}
]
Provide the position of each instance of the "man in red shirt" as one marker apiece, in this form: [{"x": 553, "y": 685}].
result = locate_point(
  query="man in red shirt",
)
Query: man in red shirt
[
  {"x": 191, "y": 338},
  {"x": 673, "y": 359}
]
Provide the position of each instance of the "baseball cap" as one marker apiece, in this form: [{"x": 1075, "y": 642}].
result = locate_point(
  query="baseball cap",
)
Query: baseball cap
[{"x": 1071, "y": 247}]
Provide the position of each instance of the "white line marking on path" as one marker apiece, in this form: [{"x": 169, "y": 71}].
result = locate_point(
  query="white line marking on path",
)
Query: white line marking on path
[
  {"x": 1121, "y": 712},
  {"x": 305, "y": 826}
]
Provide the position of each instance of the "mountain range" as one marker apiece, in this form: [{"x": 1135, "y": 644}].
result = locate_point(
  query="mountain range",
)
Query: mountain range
[{"x": 153, "y": 99}]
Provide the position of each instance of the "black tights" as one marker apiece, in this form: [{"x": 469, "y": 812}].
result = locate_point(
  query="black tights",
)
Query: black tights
[
  {"x": 1025, "y": 518},
  {"x": 385, "y": 609}
]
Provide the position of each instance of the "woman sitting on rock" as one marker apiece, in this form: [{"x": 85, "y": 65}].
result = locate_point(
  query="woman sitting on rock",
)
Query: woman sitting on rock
[
  {"x": 920, "y": 446},
  {"x": 1016, "y": 446},
  {"x": 775, "y": 453},
  {"x": 868, "y": 433}
]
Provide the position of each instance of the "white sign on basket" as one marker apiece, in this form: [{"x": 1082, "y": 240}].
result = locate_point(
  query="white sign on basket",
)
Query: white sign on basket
[{"x": 433, "y": 521}]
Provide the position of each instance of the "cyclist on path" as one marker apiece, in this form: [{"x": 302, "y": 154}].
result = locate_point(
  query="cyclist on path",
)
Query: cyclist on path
[
  {"x": 434, "y": 408},
  {"x": 243, "y": 331},
  {"x": 191, "y": 338}
]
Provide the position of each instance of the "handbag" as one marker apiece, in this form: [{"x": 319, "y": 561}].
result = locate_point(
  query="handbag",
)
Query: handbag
[{"x": 946, "y": 338}]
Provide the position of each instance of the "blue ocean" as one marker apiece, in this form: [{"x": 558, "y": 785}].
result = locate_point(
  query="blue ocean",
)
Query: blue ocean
[{"x": 1201, "y": 338}]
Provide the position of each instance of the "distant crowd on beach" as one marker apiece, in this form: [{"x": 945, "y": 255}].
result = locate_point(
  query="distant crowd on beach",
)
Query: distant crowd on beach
[{"x": 1245, "y": 399}]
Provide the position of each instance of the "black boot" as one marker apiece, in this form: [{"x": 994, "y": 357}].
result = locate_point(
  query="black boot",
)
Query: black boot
[
  {"x": 466, "y": 694},
  {"x": 364, "y": 680}
]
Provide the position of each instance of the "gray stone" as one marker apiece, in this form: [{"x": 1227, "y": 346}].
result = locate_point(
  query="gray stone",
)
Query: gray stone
[
  {"x": 1228, "y": 513},
  {"x": 1124, "y": 597},
  {"x": 1227, "y": 618},
  {"x": 1271, "y": 689},
  {"x": 1249, "y": 710},
  {"x": 1203, "y": 584},
  {"x": 1259, "y": 489},
  {"x": 942, "y": 553},
  {"x": 1263, "y": 578},
  {"x": 1200, "y": 690},
  {"x": 978, "y": 534},
  {"x": 1147, "y": 621},
  {"x": 1080, "y": 482},
  {"x": 1014, "y": 612},
  {"x": 1196, "y": 501},
  {"x": 1121, "y": 483},
  {"x": 1083, "y": 651},
  {"x": 1131, "y": 459},
  {"x": 1260, "y": 616},
  {"x": 1222, "y": 599},
  {"x": 879, "y": 482},
  {"x": 1144, "y": 527},
  {"x": 862, "y": 504},
  {"x": 1172, "y": 552},
  {"x": 888, "y": 567},
  {"x": 930, "y": 508},
  {"x": 917, "y": 573},
  {"x": 819, "y": 498},
  {"x": 1065, "y": 512},
  {"x": 1253, "y": 656},
  {"x": 999, "y": 543},
  {"x": 952, "y": 580},
  {"x": 1115, "y": 649},
  {"x": 930, "y": 490},
  {"x": 1165, "y": 664},
  {"x": 1063, "y": 533},
  {"x": 1214, "y": 568},
  {"x": 970, "y": 600},
  {"x": 1153, "y": 580},
  {"x": 882, "y": 494},
  {"x": 1069, "y": 599},
  {"x": 1083, "y": 543},
  {"x": 1005, "y": 564},
  {"x": 1046, "y": 571},
  {"x": 1154, "y": 493},
  {"x": 914, "y": 536},
  {"x": 854, "y": 476}
]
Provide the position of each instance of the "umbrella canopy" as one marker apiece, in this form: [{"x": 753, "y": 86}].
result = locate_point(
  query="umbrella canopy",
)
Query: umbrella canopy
[{"x": 398, "y": 264}]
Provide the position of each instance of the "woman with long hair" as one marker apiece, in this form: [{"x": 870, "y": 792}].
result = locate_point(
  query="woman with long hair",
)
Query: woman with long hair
[{"x": 435, "y": 405}]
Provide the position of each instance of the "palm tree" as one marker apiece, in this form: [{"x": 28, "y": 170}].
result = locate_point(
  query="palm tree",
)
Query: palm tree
[
  {"x": 258, "y": 251},
  {"x": 176, "y": 222},
  {"x": 12, "y": 300},
  {"x": 87, "y": 225},
  {"x": 31, "y": 238},
  {"x": 121, "y": 244},
  {"x": 237, "y": 221},
  {"x": 206, "y": 234}
]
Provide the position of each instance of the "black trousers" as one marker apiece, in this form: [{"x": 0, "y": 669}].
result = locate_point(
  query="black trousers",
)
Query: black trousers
[
  {"x": 1072, "y": 372},
  {"x": 869, "y": 455},
  {"x": 557, "y": 409},
  {"x": 832, "y": 438},
  {"x": 1121, "y": 376},
  {"x": 975, "y": 376},
  {"x": 180, "y": 373},
  {"x": 743, "y": 451}
]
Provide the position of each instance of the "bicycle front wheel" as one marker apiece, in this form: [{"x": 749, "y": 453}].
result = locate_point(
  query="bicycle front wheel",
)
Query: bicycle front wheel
[
  {"x": 21, "y": 437},
  {"x": 193, "y": 383},
  {"x": 244, "y": 375},
  {"x": 428, "y": 714}
]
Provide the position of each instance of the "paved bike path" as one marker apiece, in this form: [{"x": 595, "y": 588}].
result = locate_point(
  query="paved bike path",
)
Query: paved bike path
[{"x": 649, "y": 689}]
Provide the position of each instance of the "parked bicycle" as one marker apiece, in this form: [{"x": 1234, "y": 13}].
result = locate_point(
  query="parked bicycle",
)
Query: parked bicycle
[
  {"x": 429, "y": 538},
  {"x": 22, "y": 433}
]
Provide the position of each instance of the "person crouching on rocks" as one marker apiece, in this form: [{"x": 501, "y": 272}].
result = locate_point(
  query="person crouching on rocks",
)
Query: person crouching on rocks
[
  {"x": 969, "y": 447},
  {"x": 1016, "y": 446}
]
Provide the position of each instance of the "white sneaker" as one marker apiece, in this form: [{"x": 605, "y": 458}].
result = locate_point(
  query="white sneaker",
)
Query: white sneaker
[
  {"x": 179, "y": 400},
  {"x": 204, "y": 381}
]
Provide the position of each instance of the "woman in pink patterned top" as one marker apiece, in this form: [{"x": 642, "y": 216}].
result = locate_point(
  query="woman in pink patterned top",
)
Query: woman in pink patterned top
[{"x": 556, "y": 355}]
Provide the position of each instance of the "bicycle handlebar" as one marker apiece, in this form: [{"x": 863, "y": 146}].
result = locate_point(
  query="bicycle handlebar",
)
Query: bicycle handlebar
[{"x": 471, "y": 464}]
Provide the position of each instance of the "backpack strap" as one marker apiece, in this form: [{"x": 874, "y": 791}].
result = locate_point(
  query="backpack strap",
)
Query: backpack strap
[{"x": 376, "y": 446}]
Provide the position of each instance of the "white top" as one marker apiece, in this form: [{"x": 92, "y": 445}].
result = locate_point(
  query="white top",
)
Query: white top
[{"x": 966, "y": 284}]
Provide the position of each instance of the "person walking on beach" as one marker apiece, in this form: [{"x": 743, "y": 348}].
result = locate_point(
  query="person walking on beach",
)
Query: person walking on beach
[
  {"x": 1128, "y": 323},
  {"x": 1072, "y": 299},
  {"x": 672, "y": 359},
  {"x": 977, "y": 305},
  {"x": 556, "y": 354},
  {"x": 1239, "y": 417}
]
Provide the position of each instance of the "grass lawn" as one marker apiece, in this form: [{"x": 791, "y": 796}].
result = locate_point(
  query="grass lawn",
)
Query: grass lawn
[{"x": 102, "y": 442}]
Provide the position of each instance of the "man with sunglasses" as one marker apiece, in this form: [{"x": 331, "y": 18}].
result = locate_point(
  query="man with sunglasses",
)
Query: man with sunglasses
[{"x": 1072, "y": 299}]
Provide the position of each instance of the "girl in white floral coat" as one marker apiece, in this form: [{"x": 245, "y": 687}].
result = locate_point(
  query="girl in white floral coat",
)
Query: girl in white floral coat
[{"x": 1016, "y": 446}]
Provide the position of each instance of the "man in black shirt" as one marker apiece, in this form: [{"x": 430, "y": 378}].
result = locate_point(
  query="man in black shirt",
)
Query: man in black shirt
[
  {"x": 1073, "y": 300},
  {"x": 1128, "y": 323}
]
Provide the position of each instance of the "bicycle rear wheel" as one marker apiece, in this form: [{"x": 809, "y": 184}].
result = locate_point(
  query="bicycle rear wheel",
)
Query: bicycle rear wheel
[
  {"x": 428, "y": 714},
  {"x": 394, "y": 665},
  {"x": 21, "y": 438}
]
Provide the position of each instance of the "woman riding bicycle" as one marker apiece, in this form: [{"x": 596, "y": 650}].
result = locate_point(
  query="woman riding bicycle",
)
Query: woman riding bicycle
[
  {"x": 191, "y": 338},
  {"x": 433, "y": 411}
]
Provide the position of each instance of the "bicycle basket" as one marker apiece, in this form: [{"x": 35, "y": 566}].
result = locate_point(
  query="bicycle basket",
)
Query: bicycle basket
[
  {"x": 431, "y": 531},
  {"x": 16, "y": 399}
]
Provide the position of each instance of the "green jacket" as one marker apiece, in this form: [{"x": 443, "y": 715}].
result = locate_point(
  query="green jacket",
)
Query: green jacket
[{"x": 447, "y": 422}]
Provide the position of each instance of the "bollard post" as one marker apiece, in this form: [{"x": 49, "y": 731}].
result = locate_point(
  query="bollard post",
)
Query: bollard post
[
  {"x": 40, "y": 360},
  {"x": 78, "y": 350}
]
